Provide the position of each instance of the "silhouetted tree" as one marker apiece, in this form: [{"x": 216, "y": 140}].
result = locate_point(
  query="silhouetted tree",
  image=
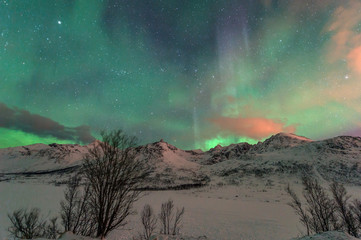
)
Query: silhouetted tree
[
  {"x": 52, "y": 230},
  {"x": 75, "y": 211},
  {"x": 114, "y": 177},
  {"x": 26, "y": 224},
  {"x": 149, "y": 222},
  {"x": 344, "y": 209},
  {"x": 320, "y": 206},
  {"x": 300, "y": 211},
  {"x": 319, "y": 213},
  {"x": 166, "y": 216},
  {"x": 356, "y": 210}
]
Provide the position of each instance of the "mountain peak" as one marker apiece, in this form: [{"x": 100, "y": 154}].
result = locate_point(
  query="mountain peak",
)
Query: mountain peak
[
  {"x": 290, "y": 136},
  {"x": 281, "y": 141},
  {"x": 218, "y": 147},
  {"x": 163, "y": 145},
  {"x": 96, "y": 142}
]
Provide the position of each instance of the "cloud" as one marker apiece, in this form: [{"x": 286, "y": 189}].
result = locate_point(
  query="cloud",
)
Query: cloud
[
  {"x": 354, "y": 59},
  {"x": 20, "y": 119},
  {"x": 346, "y": 40},
  {"x": 256, "y": 128},
  {"x": 344, "y": 47}
]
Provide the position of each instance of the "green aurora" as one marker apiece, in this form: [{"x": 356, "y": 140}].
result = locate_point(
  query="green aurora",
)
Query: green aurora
[{"x": 194, "y": 73}]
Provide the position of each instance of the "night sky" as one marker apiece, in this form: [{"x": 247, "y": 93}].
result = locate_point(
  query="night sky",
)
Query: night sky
[{"x": 195, "y": 73}]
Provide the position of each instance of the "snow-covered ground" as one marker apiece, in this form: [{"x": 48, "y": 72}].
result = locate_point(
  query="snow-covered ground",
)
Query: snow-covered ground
[
  {"x": 333, "y": 235},
  {"x": 253, "y": 210},
  {"x": 249, "y": 211}
]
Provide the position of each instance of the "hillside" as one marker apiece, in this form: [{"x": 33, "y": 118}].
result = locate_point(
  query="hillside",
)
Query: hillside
[{"x": 283, "y": 154}]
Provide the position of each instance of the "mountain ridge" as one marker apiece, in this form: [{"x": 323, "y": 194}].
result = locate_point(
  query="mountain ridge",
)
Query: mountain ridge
[{"x": 337, "y": 158}]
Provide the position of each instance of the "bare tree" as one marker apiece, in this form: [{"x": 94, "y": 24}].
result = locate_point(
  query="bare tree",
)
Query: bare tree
[
  {"x": 26, "y": 224},
  {"x": 356, "y": 210},
  {"x": 318, "y": 215},
  {"x": 344, "y": 210},
  {"x": 101, "y": 198},
  {"x": 177, "y": 221},
  {"x": 67, "y": 206},
  {"x": 166, "y": 217},
  {"x": 114, "y": 177},
  {"x": 52, "y": 230},
  {"x": 149, "y": 222},
  {"x": 74, "y": 209},
  {"x": 320, "y": 206},
  {"x": 297, "y": 206},
  {"x": 322, "y": 213}
]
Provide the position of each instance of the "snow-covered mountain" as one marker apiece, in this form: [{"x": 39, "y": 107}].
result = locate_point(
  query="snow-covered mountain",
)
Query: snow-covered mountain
[
  {"x": 282, "y": 154},
  {"x": 40, "y": 157},
  {"x": 171, "y": 167},
  {"x": 337, "y": 158}
]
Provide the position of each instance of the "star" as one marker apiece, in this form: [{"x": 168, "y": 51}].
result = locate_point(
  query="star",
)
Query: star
[{"x": 237, "y": 61}]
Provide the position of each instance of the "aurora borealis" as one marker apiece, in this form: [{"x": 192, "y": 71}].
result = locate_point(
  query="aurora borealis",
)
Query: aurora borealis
[{"x": 195, "y": 73}]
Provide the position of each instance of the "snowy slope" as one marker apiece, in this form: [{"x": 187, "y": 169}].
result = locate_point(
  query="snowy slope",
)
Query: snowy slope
[
  {"x": 166, "y": 154},
  {"x": 282, "y": 154},
  {"x": 279, "y": 142},
  {"x": 171, "y": 167},
  {"x": 40, "y": 157},
  {"x": 337, "y": 158},
  {"x": 328, "y": 236}
]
